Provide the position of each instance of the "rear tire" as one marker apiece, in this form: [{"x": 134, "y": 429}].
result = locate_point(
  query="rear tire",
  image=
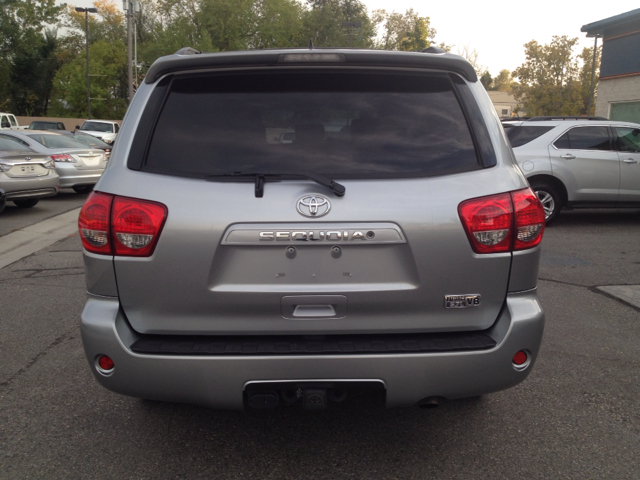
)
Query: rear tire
[
  {"x": 82, "y": 188},
  {"x": 550, "y": 199},
  {"x": 31, "y": 202}
]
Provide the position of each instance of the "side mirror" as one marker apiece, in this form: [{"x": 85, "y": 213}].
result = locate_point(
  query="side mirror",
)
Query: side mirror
[{"x": 77, "y": 127}]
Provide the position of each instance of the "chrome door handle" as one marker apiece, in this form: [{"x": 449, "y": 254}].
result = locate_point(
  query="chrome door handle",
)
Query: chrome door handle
[
  {"x": 630, "y": 161},
  {"x": 568, "y": 156}
]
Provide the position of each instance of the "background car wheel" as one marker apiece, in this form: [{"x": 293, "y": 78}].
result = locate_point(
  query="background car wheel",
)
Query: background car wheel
[
  {"x": 550, "y": 199},
  {"x": 31, "y": 202},
  {"x": 83, "y": 188}
]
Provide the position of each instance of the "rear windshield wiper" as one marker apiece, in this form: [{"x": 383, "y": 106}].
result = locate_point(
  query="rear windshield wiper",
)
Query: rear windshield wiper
[{"x": 260, "y": 179}]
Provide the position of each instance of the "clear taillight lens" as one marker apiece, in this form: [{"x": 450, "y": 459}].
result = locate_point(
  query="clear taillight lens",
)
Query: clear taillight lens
[
  {"x": 490, "y": 222},
  {"x": 5, "y": 167},
  {"x": 120, "y": 226}
]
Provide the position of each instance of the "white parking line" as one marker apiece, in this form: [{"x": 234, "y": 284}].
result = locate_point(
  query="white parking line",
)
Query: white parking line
[{"x": 24, "y": 242}]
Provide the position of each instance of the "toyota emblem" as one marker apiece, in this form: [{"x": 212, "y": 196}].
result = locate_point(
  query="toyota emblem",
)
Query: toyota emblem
[{"x": 313, "y": 205}]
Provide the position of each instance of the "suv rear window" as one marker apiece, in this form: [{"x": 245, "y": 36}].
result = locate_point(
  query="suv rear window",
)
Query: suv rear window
[
  {"x": 522, "y": 135},
  {"x": 344, "y": 125}
]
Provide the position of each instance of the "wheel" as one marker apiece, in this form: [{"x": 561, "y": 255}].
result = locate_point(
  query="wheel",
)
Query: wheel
[
  {"x": 30, "y": 202},
  {"x": 82, "y": 188},
  {"x": 550, "y": 199}
]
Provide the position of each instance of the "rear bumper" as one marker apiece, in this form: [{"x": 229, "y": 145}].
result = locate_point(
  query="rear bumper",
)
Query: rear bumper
[
  {"x": 71, "y": 176},
  {"x": 219, "y": 381}
]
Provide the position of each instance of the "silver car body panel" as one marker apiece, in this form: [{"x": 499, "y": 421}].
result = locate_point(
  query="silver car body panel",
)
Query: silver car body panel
[
  {"x": 88, "y": 168},
  {"x": 210, "y": 274},
  {"x": 219, "y": 381},
  {"x": 27, "y": 178},
  {"x": 589, "y": 176}
]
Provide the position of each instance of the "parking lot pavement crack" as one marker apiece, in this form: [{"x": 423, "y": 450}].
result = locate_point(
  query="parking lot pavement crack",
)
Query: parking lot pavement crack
[
  {"x": 35, "y": 359},
  {"x": 564, "y": 283},
  {"x": 34, "y": 273}
]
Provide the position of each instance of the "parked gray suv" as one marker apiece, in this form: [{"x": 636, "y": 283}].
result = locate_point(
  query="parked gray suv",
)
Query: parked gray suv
[
  {"x": 578, "y": 161},
  {"x": 390, "y": 243}
]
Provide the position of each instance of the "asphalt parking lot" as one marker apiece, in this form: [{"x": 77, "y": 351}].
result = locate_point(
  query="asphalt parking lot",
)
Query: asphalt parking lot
[{"x": 577, "y": 416}]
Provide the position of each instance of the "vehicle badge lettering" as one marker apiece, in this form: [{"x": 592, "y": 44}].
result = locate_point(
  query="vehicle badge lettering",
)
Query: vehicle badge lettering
[
  {"x": 27, "y": 158},
  {"x": 313, "y": 206},
  {"x": 461, "y": 301}
]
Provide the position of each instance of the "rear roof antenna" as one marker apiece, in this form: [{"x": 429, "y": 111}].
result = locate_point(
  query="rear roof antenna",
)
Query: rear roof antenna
[{"x": 310, "y": 44}]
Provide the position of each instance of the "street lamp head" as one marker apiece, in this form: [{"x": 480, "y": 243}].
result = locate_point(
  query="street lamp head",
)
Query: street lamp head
[
  {"x": 87, "y": 10},
  {"x": 92, "y": 10}
]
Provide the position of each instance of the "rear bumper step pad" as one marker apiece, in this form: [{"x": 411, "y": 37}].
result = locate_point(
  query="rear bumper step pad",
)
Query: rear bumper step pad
[{"x": 251, "y": 345}]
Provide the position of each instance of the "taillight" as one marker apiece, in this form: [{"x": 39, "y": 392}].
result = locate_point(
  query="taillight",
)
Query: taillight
[
  {"x": 113, "y": 225},
  {"x": 504, "y": 222},
  {"x": 93, "y": 223},
  {"x": 529, "y": 219},
  {"x": 136, "y": 225},
  {"x": 63, "y": 157}
]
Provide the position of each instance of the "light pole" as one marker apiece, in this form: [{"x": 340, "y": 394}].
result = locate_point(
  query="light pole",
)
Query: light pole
[
  {"x": 87, "y": 11},
  {"x": 130, "y": 7}
]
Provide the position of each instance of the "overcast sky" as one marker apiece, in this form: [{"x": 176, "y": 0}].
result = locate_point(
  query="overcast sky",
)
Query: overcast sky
[{"x": 497, "y": 30}]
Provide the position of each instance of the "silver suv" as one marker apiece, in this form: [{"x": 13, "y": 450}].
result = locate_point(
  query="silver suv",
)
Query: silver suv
[
  {"x": 579, "y": 161},
  {"x": 388, "y": 244}
]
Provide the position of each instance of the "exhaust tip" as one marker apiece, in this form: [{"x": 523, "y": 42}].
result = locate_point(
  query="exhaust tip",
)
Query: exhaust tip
[{"x": 429, "y": 402}]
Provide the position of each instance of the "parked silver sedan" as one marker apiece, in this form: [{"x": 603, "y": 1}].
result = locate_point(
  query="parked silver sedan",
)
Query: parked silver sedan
[
  {"x": 79, "y": 167},
  {"x": 26, "y": 176}
]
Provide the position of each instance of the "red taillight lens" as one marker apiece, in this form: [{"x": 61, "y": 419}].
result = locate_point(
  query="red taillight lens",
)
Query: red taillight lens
[
  {"x": 136, "y": 226},
  {"x": 120, "y": 226},
  {"x": 529, "y": 219},
  {"x": 487, "y": 221},
  {"x": 93, "y": 223},
  {"x": 490, "y": 222},
  {"x": 63, "y": 157}
]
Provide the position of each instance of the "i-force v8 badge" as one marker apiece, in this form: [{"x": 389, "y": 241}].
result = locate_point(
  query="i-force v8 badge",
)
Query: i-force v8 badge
[{"x": 461, "y": 301}]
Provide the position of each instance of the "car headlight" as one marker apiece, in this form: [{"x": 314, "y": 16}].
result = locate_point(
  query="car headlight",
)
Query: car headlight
[{"x": 107, "y": 140}]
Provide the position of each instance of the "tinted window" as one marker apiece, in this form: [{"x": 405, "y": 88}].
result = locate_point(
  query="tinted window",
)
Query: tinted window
[
  {"x": 628, "y": 139},
  {"x": 97, "y": 127},
  {"x": 585, "y": 138},
  {"x": 55, "y": 141},
  {"x": 342, "y": 125},
  {"x": 8, "y": 144},
  {"x": 5, "y": 122},
  {"x": 519, "y": 136}
]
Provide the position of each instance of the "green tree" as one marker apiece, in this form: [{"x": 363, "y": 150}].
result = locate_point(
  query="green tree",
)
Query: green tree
[
  {"x": 408, "y": 32},
  {"x": 108, "y": 69},
  {"x": 322, "y": 22},
  {"x": 486, "y": 80},
  {"x": 503, "y": 82},
  {"x": 27, "y": 57},
  {"x": 550, "y": 80}
]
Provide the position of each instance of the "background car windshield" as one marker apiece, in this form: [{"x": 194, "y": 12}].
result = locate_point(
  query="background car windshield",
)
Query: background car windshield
[
  {"x": 56, "y": 141},
  {"x": 354, "y": 125},
  {"x": 519, "y": 136},
  {"x": 7, "y": 144},
  {"x": 97, "y": 127}
]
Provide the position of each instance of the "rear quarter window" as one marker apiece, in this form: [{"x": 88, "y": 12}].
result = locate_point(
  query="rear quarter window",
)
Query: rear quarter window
[
  {"x": 347, "y": 125},
  {"x": 521, "y": 135}
]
